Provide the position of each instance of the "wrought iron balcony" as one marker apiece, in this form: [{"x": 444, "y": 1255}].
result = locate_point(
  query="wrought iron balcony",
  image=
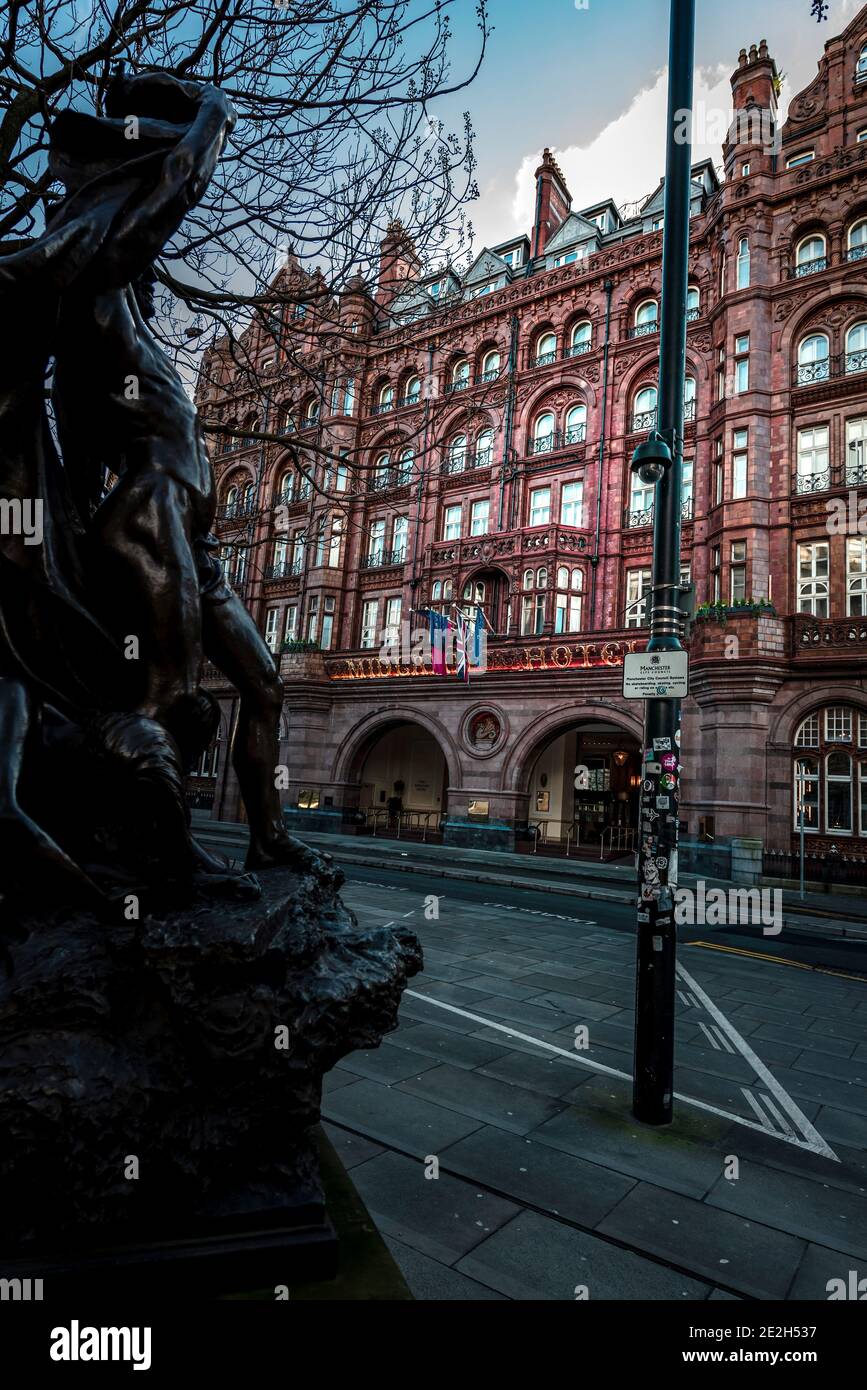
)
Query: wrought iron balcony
[
  {"x": 557, "y": 439},
  {"x": 641, "y": 330},
  {"x": 856, "y": 253},
  {"x": 689, "y": 410},
  {"x": 635, "y": 520},
  {"x": 693, "y": 314},
  {"x": 850, "y": 474},
  {"x": 380, "y": 559},
  {"x": 543, "y": 359},
  {"x": 799, "y": 272},
  {"x": 643, "y": 420},
  {"x": 412, "y": 399},
  {"x": 382, "y": 407},
  {"x": 460, "y": 384},
  {"x": 830, "y": 368},
  {"x": 577, "y": 349},
  {"x": 284, "y": 569},
  {"x": 492, "y": 375},
  {"x": 382, "y": 482},
  {"x": 233, "y": 444},
  {"x": 236, "y": 511}
]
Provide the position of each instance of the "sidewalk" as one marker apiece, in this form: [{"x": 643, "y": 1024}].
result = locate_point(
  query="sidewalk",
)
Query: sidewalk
[
  {"x": 499, "y": 1161},
  {"x": 824, "y": 913}
]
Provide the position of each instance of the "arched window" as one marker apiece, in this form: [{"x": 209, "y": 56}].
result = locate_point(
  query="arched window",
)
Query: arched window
[
  {"x": 576, "y": 424},
  {"x": 285, "y": 486},
  {"x": 646, "y": 318},
  {"x": 541, "y": 578},
  {"x": 567, "y": 601},
  {"x": 858, "y": 240},
  {"x": 404, "y": 473},
  {"x": 490, "y": 366},
  {"x": 386, "y": 399},
  {"x": 829, "y": 774},
  {"x": 411, "y": 391},
  {"x": 231, "y": 504},
  {"x": 484, "y": 448},
  {"x": 381, "y": 471},
  {"x": 689, "y": 398},
  {"x": 743, "y": 263},
  {"x": 546, "y": 349},
  {"x": 644, "y": 409},
  {"x": 861, "y": 67},
  {"x": 457, "y": 459},
  {"x": 813, "y": 359},
  {"x": 581, "y": 339},
  {"x": 311, "y": 413},
  {"x": 543, "y": 433},
  {"x": 447, "y": 589},
  {"x": 249, "y": 498},
  {"x": 693, "y": 303},
  {"x": 460, "y": 374},
  {"x": 810, "y": 255},
  {"x": 856, "y": 348},
  {"x": 529, "y": 576}
]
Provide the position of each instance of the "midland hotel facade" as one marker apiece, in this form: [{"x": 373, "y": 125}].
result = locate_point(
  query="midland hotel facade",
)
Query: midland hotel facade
[{"x": 467, "y": 439}]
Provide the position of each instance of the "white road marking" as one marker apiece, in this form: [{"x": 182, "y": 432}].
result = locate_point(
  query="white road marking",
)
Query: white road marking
[
  {"x": 752, "y": 1101},
  {"x": 710, "y": 1036},
  {"x": 815, "y": 1147},
  {"x": 723, "y": 1039},
  {"x": 812, "y": 1138},
  {"x": 537, "y": 912}
]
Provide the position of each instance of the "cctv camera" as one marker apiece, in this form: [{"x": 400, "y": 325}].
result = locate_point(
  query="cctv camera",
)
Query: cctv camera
[{"x": 651, "y": 458}]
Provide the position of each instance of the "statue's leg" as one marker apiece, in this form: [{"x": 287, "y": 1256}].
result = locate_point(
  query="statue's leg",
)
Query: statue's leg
[
  {"x": 35, "y": 868},
  {"x": 151, "y": 584},
  {"x": 236, "y": 647}
]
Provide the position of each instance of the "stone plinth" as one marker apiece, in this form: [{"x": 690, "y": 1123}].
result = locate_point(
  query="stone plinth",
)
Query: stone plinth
[{"x": 159, "y": 1079}]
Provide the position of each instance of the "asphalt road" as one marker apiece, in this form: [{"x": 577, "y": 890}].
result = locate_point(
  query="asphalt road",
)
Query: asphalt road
[{"x": 799, "y": 947}]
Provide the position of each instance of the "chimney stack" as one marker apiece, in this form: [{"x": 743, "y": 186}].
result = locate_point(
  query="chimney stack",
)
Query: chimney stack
[{"x": 553, "y": 201}]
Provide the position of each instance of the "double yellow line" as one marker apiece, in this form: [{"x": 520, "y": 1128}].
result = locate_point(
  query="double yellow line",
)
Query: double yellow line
[{"x": 776, "y": 960}]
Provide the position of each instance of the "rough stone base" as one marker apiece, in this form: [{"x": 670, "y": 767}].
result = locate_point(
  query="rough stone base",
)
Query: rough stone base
[{"x": 158, "y": 1080}]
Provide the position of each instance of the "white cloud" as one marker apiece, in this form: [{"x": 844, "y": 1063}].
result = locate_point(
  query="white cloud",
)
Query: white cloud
[{"x": 626, "y": 160}]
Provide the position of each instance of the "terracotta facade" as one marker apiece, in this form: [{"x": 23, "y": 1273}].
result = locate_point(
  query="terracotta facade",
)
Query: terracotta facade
[{"x": 405, "y": 446}]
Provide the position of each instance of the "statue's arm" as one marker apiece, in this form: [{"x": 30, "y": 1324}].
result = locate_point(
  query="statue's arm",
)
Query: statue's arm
[{"x": 143, "y": 229}]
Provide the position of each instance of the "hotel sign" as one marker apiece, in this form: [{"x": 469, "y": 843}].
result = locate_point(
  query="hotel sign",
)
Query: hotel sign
[{"x": 541, "y": 656}]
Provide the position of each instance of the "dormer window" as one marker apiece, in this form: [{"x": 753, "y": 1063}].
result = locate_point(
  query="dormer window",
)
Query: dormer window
[{"x": 566, "y": 259}]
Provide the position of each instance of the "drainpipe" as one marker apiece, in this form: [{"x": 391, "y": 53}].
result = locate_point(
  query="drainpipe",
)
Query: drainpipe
[
  {"x": 422, "y": 473},
  {"x": 508, "y": 423},
  {"x": 594, "y": 558}
]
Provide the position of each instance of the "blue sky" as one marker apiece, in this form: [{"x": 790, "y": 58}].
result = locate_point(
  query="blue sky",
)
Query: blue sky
[{"x": 591, "y": 84}]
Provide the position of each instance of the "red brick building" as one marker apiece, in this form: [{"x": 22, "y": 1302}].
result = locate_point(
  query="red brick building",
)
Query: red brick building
[{"x": 467, "y": 438}]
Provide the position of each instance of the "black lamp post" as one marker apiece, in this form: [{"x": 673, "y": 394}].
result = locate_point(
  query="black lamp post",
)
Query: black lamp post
[{"x": 660, "y": 460}]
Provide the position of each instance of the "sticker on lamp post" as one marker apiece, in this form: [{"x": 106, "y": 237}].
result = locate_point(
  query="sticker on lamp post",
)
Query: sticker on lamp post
[{"x": 655, "y": 675}]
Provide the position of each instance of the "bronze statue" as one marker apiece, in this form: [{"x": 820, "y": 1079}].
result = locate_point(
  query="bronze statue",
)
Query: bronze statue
[{"x": 104, "y": 625}]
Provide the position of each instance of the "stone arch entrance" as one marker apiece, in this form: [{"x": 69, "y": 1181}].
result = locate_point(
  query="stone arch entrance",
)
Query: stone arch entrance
[
  {"x": 583, "y": 780},
  {"x": 402, "y": 775}
]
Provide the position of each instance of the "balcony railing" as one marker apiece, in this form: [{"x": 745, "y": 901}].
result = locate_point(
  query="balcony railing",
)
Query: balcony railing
[
  {"x": 830, "y": 368},
  {"x": 233, "y": 444},
  {"x": 379, "y": 559},
  {"x": 693, "y": 314},
  {"x": 410, "y": 400},
  {"x": 465, "y": 463},
  {"x": 558, "y": 439},
  {"x": 856, "y": 253},
  {"x": 577, "y": 349},
  {"x": 236, "y": 511},
  {"x": 641, "y": 330},
  {"x": 492, "y": 375},
  {"x": 798, "y": 272},
  {"x": 385, "y": 481},
  {"x": 840, "y": 475},
  {"x": 543, "y": 359},
  {"x": 643, "y": 420},
  {"x": 460, "y": 384},
  {"x": 637, "y": 519},
  {"x": 382, "y": 407},
  {"x": 284, "y": 569}
]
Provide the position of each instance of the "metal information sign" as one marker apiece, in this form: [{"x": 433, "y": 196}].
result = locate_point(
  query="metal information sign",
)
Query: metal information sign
[{"x": 655, "y": 675}]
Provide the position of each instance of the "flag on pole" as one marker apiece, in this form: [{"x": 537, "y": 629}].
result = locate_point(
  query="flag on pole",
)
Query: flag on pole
[
  {"x": 478, "y": 628},
  {"x": 462, "y": 655},
  {"x": 439, "y": 626}
]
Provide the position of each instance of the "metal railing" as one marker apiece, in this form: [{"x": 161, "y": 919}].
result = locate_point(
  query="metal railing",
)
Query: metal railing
[
  {"x": 236, "y": 511},
  {"x": 838, "y": 475},
  {"x": 804, "y": 268},
  {"x": 640, "y": 330},
  {"x": 637, "y": 519},
  {"x": 487, "y": 376},
  {"x": 577, "y": 349},
  {"x": 284, "y": 569},
  {"x": 543, "y": 359},
  {"x": 410, "y": 400},
  {"x": 539, "y": 831},
  {"x": 460, "y": 384},
  {"x": 379, "y": 818},
  {"x": 644, "y": 420},
  {"x": 621, "y": 839},
  {"x": 379, "y": 559},
  {"x": 856, "y": 253},
  {"x": 558, "y": 439},
  {"x": 830, "y": 368},
  {"x": 382, "y": 407}
]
